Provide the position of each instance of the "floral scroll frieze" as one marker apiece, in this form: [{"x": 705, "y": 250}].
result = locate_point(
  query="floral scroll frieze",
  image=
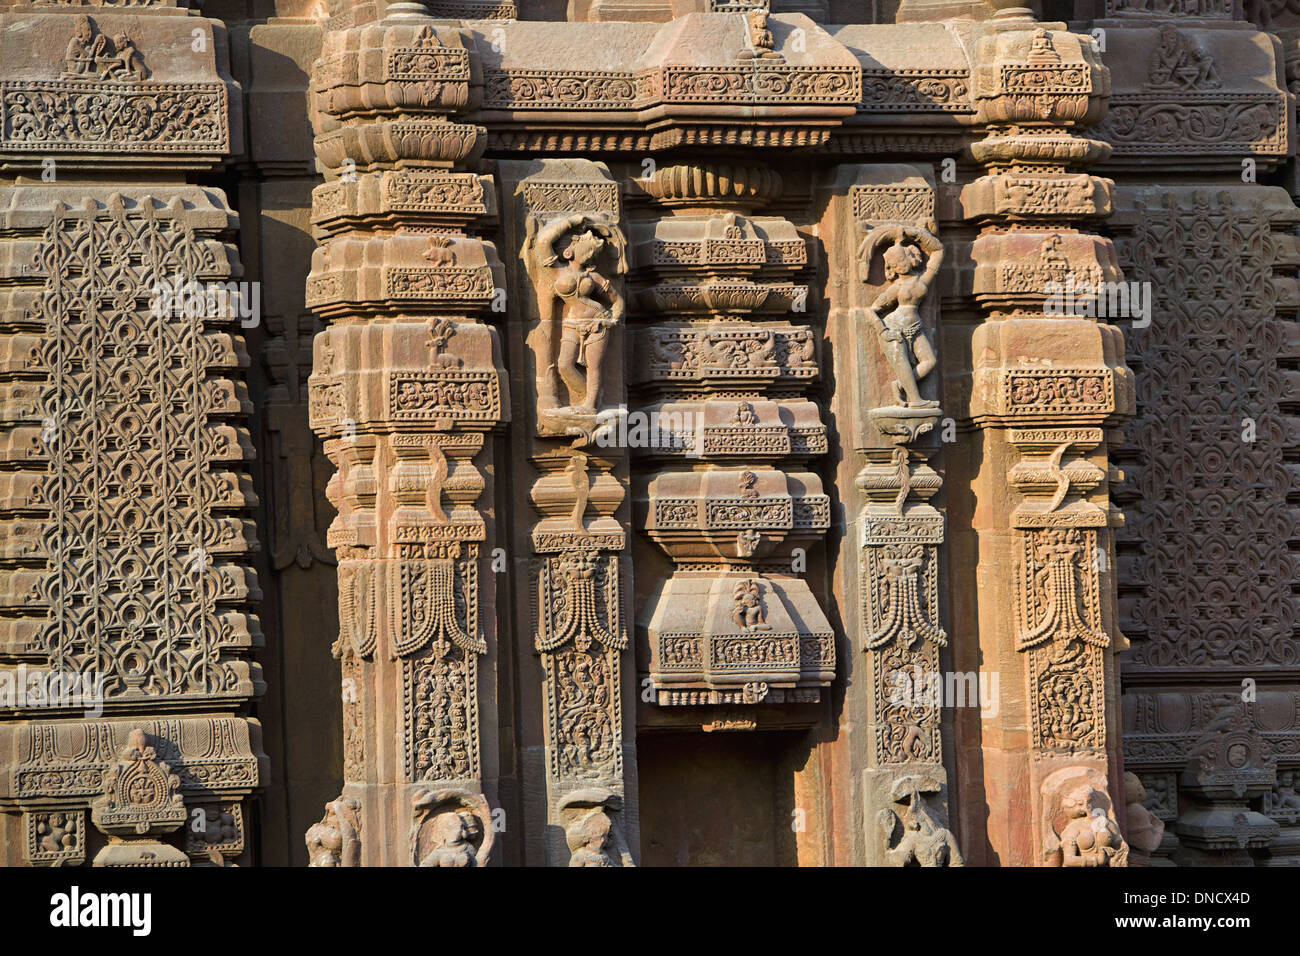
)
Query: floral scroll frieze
[
  {"x": 916, "y": 90},
  {"x": 114, "y": 116},
  {"x": 1149, "y": 124}
]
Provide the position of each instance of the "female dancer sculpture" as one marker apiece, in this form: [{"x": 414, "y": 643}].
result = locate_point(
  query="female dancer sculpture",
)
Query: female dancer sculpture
[{"x": 590, "y": 306}]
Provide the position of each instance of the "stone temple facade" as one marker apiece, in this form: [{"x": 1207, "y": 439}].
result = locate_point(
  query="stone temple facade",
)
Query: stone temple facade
[{"x": 649, "y": 432}]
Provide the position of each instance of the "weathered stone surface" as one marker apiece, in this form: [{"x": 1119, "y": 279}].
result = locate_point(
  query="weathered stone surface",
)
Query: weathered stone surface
[
  {"x": 698, "y": 429},
  {"x": 128, "y": 509}
]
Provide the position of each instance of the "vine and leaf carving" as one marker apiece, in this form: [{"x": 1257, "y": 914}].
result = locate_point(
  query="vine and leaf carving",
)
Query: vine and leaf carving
[{"x": 580, "y": 638}]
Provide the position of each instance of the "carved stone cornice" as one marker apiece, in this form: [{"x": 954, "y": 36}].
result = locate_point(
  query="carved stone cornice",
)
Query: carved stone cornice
[
  {"x": 1209, "y": 97},
  {"x": 694, "y": 80},
  {"x": 134, "y": 87}
]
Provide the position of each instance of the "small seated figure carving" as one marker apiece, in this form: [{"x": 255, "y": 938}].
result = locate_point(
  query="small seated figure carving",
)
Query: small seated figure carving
[
  {"x": 745, "y": 414},
  {"x": 1286, "y": 798},
  {"x": 56, "y": 834},
  {"x": 91, "y": 54},
  {"x": 84, "y": 50},
  {"x": 748, "y": 611},
  {"x": 1091, "y": 838},
  {"x": 761, "y": 41},
  {"x": 127, "y": 63},
  {"x": 1180, "y": 63}
]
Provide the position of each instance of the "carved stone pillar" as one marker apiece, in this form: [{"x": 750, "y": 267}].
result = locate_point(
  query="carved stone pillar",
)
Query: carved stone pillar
[
  {"x": 883, "y": 269},
  {"x": 406, "y": 383},
  {"x": 1043, "y": 388},
  {"x": 124, "y": 573},
  {"x": 567, "y": 308}
]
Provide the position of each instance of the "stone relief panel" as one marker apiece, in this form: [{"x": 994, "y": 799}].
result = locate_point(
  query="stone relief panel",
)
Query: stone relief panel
[
  {"x": 1203, "y": 591},
  {"x": 1195, "y": 94},
  {"x": 1201, "y": 365},
  {"x": 127, "y": 570},
  {"x": 121, "y": 92},
  {"x": 119, "y": 375},
  {"x": 691, "y": 295}
]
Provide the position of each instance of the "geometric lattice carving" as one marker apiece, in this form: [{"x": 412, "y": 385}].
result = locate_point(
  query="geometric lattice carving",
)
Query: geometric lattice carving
[
  {"x": 1215, "y": 577},
  {"x": 140, "y": 494},
  {"x": 1206, "y": 560}
]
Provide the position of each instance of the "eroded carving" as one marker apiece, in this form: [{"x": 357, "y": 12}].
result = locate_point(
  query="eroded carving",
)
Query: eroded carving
[
  {"x": 912, "y": 835},
  {"x": 451, "y": 828},
  {"x": 336, "y": 840},
  {"x": 592, "y": 829}
]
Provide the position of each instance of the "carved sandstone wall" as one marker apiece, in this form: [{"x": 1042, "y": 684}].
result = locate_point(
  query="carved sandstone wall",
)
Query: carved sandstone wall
[
  {"x": 648, "y": 398},
  {"x": 126, "y": 496}
]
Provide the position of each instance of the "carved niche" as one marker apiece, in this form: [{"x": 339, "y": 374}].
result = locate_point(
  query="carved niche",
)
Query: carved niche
[
  {"x": 717, "y": 284},
  {"x": 451, "y": 828}
]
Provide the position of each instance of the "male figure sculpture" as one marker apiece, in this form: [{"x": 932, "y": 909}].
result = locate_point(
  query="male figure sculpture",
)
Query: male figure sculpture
[{"x": 910, "y": 266}]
